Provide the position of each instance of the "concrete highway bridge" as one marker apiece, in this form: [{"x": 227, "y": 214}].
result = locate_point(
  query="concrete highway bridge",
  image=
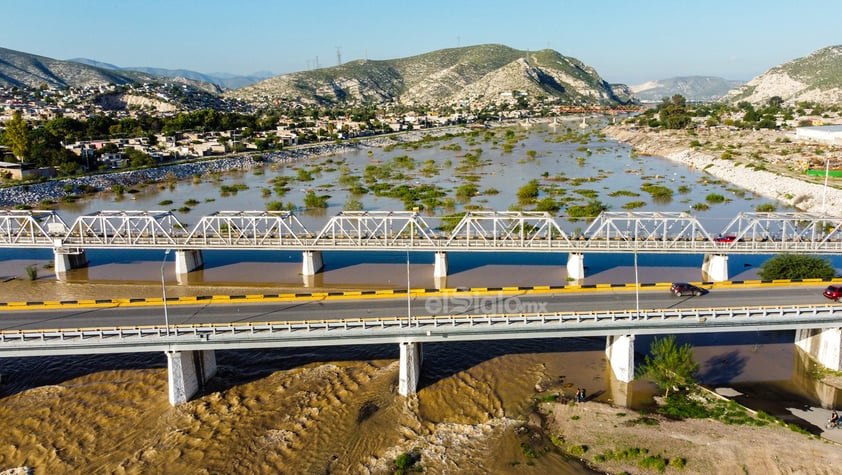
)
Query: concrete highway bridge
[
  {"x": 190, "y": 347},
  {"x": 476, "y": 231}
]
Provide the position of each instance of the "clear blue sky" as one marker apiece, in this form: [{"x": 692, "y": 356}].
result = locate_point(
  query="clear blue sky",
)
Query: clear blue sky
[{"x": 626, "y": 41}]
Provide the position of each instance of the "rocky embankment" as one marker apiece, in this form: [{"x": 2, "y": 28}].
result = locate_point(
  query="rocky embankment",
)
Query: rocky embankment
[
  {"x": 55, "y": 190},
  {"x": 802, "y": 195}
]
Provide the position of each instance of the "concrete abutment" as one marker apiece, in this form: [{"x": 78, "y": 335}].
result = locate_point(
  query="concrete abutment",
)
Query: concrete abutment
[{"x": 823, "y": 345}]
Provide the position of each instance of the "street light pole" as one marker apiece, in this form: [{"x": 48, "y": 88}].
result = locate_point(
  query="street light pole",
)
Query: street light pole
[
  {"x": 408, "y": 299},
  {"x": 826, "y": 175},
  {"x": 636, "y": 284},
  {"x": 164, "y": 293}
]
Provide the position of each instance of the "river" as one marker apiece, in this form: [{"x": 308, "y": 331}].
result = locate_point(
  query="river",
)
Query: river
[{"x": 336, "y": 410}]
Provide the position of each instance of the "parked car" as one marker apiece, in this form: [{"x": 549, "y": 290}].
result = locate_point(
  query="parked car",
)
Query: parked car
[
  {"x": 833, "y": 292},
  {"x": 680, "y": 289}
]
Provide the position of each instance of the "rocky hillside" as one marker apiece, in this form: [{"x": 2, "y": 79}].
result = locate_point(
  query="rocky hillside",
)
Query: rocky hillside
[
  {"x": 693, "y": 88},
  {"x": 481, "y": 74},
  {"x": 18, "y": 69},
  {"x": 816, "y": 78}
]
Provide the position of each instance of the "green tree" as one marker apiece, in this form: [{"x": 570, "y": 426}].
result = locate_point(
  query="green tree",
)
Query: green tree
[
  {"x": 17, "y": 136},
  {"x": 796, "y": 266},
  {"x": 672, "y": 112},
  {"x": 670, "y": 366}
]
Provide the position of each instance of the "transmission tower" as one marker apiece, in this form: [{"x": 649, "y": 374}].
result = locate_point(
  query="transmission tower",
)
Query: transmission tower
[{"x": 339, "y": 56}]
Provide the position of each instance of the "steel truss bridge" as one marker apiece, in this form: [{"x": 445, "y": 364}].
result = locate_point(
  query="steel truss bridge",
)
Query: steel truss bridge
[{"x": 610, "y": 232}]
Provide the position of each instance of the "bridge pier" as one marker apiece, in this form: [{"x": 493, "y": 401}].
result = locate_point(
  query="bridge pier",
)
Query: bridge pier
[
  {"x": 620, "y": 352},
  {"x": 313, "y": 263},
  {"x": 715, "y": 267},
  {"x": 410, "y": 368},
  {"x": 187, "y": 372},
  {"x": 188, "y": 260},
  {"x": 66, "y": 260},
  {"x": 440, "y": 265},
  {"x": 822, "y": 344},
  {"x": 576, "y": 266}
]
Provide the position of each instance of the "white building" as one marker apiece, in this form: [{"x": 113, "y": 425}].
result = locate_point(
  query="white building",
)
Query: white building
[{"x": 830, "y": 134}]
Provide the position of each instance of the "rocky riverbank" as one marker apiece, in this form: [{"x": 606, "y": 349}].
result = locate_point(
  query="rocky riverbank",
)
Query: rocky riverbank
[{"x": 763, "y": 162}]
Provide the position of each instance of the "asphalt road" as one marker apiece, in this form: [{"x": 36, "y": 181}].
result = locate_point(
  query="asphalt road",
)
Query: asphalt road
[{"x": 458, "y": 304}]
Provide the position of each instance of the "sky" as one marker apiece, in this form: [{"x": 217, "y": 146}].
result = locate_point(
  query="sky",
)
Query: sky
[{"x": 627, "y": 42}]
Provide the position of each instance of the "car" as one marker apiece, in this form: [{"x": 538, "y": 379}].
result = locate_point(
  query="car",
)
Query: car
[
  {"x": 680, "y": 289},
  {"x": 833, "y": 292},
  {"x": 725, "y": 238}
]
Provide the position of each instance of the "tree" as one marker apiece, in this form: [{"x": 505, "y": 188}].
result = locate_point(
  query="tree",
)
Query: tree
[
  {"x": 672, "y": 112},
  {"x": 670, "y": 366},
  {"x": 796, "y": 266},
  {"x": 17, "y": 136}
]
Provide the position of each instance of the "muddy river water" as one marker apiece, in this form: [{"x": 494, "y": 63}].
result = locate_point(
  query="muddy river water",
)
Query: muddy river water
[{"x": 336, "y": 410}]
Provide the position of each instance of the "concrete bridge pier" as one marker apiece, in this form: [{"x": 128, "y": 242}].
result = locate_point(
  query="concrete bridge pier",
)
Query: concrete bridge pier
[
  {"x": 313, "y": 263},
  {"x": 440, "y": 266},
  {"x": 620, "y": 352},
  {"x": 410, "y": 368},
  {"x": 576, "y": 266},
  {"x": 67, "y": 259},
  {"x": 715, "y": 267},
  {"x": 822, "y": 344},
  {"x": 188, "y": 260},
  {"x": 188, "y": 371}
]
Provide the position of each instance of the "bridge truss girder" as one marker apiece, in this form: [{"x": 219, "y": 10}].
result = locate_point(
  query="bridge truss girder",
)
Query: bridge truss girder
[
  {"x": 500, "y": 229},
  {"x": 647, "y": 229},
  {"x": 257, "y": 229},
  {"x": 784, "y": 227},
  {"x": 125, "y": 228},
  {"x": 376, "y": 228},
  {"x": 33, "y": 227}
]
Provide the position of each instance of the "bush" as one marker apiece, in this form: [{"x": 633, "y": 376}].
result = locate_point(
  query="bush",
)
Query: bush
[
  {"x": 32, "y": 272},
  {"x": 796, "y": 266}
]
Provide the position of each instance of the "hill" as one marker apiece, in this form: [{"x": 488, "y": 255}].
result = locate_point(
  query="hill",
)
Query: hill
[
  {"x": 477, "y": 74},
  {"x": 693, "y": 88},
  {"x": 815, "y": 78},
  {"x": 19, "y": 69}
]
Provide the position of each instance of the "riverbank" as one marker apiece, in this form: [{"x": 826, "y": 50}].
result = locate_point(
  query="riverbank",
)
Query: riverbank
[
  {"x": 612, "y": 439},
  {"x": 765, "y": 162}
]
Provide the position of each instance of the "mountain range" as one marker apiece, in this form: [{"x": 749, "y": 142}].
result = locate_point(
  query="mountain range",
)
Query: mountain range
[
  {"x": 19, "y": 69},
  {"x": 473, "y": 74},
  {"x": 693, "y": 88},
  {"x": 224, "y": 80}
]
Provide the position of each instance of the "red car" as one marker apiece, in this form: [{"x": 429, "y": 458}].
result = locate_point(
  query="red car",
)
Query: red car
[
  {"x": 833, "y": 292},
  {"x": 725, "y": 238}
]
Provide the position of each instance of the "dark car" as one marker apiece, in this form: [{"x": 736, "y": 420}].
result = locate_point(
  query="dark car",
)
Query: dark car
[
  {"x": 833, "y": 292},
  {"x": 680, "y": 289}
]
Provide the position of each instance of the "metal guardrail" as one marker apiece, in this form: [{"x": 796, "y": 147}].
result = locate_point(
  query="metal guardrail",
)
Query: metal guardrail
[{"x": 420, "y": 328}]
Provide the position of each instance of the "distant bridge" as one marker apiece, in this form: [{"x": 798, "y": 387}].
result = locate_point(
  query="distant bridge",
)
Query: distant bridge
[{"x": 477, "y": 231}]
